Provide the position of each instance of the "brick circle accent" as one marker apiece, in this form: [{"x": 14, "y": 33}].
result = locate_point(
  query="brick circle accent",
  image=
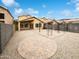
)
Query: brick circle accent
[{"x": 37, "y": 49}]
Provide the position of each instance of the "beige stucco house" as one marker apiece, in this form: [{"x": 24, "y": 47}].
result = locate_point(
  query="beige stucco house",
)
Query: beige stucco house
[
  {"x": 72, "y": 24},
  {"x": 47, "y": 22},
  {"x": 29, "y": 22},
  {"x": 5, "y": 16}
]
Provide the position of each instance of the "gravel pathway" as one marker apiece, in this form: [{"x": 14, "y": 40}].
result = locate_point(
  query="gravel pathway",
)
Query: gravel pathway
[{"x": 67, "y": 44}]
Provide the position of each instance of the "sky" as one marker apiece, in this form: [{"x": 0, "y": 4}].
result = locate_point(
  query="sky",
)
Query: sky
[{"x": 55, "y": 9}]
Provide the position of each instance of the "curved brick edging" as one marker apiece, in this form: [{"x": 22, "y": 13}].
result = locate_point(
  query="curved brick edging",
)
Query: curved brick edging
[{"x": 37, "y": 49}]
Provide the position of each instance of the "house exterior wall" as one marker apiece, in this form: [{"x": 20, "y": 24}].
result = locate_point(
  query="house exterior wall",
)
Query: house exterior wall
[
  {"x": 8, "y": 19},
  {"x": 73, "y": 27},
  {"x": 15, "y": 24},
  {"x": 6, "y": 28},
  {"x": 21, "y": 18},
  {"x": 55, "y": 25},
  {"x": 34, "y": 22},
  {"x": 24, "y": 23},
  {"x": 37, "y": 22},
  {"x": 62, "y": 27}
]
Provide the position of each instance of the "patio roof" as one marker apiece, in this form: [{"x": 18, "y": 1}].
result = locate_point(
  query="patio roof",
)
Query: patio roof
[
  {"x": 31, "y": 19},
  {"x": 54, "y": 22},
  {"x": 72, "y": 21},
  {"x": 60, "y": 21},
  {"x": 26, "y": 20},
  {"x": 45, "y": 20}
]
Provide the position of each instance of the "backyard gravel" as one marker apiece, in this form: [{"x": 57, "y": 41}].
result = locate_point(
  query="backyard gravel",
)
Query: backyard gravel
[{"x": 67, "y": 44}]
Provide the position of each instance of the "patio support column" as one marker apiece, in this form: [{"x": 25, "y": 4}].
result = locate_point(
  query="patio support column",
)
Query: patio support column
[{"x": 18, "y": 26}]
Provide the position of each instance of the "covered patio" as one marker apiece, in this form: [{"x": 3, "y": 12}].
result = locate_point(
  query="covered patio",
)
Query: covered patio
[{"x": 25, "y": 25}]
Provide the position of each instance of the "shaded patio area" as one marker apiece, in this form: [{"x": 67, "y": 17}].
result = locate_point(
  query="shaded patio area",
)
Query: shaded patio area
[{"x": 26, "y": 25}]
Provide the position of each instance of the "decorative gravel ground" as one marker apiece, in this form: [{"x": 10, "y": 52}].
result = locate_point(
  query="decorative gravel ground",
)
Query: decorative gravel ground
[
  {"x": 37, "y": 48},
  {"x": 67, "y": 44}
]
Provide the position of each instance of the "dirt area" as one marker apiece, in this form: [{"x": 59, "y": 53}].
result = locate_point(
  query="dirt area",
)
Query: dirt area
[{"x": 67, "y": 43}]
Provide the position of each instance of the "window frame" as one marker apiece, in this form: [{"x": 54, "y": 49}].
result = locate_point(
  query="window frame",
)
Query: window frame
[
  {"x": 2, "y": 16},
  {"x": 26, "y": 25},
  {"x": 40, "y": 24},
  {"x": 37, "y": 25}
]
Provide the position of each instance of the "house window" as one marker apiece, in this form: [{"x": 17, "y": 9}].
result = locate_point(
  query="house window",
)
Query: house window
[
  {"x": 21, "y": 25},
  {"x": 26, "y": 25},
  {"x": 1, "y": 15},
  {"x": 37, "y": 25}
]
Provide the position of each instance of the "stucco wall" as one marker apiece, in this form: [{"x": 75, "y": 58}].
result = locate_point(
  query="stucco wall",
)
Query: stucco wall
[
  {"x": 74, "y": 27},
  {"x": 37, "y": 21},
  {"x": 8, "y": 18}
]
